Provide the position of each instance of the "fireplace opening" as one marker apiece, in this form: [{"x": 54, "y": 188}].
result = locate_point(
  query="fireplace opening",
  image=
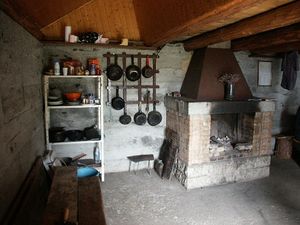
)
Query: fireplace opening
[{"x": 231, "y": 135}]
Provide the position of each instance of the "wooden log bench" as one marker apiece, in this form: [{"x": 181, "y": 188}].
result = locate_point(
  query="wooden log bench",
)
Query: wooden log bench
[
  {"x": 28, "y": 205},
  {"x": 82, "y": 198}
]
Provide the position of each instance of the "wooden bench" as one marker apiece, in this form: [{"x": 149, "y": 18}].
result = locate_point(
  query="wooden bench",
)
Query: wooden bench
[
  {"x": 82, "y": 198},
  {"x": 28, "y": 205}
]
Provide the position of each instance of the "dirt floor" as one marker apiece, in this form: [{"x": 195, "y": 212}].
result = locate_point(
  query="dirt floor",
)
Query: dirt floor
[{"x": 141, "y": 199}]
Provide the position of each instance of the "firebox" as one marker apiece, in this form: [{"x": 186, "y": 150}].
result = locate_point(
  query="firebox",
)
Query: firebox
[{"x": 218, "y": 141}]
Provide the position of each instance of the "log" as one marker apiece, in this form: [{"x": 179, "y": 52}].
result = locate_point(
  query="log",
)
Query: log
[{"x": 280, "y": 17}]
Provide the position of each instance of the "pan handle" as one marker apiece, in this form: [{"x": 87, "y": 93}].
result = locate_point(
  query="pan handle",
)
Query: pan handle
[{"x": 147, "y": 60}]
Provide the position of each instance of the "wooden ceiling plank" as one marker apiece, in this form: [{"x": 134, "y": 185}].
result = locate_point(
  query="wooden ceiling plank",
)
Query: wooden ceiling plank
[
  {"x": 14, "y": 11},
  {"x": 276, "y": 18},
  {"x": 98, "y": 16},
  {"x": 270, "y": 38},
  {"x": 168, "y": 20}
]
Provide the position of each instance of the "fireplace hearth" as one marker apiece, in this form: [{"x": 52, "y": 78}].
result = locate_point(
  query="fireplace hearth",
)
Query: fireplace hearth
[{"x": 219, "y": 141}]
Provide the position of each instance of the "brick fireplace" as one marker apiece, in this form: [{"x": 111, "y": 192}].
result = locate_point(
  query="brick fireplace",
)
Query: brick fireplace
[{"x": 191, "y": 124}]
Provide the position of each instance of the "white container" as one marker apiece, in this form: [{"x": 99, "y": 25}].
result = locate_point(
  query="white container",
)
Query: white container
[
  {"x": 65, "y": 71},
  {"x": 68, "y": 30},
  {"x": 56, "y": 69}
]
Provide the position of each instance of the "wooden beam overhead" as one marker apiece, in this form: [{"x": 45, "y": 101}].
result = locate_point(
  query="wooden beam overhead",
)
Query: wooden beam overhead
[
  {"x": 169, "y": 20},
  {"x": 270, "y": 38},
  {"x": 281, "y": 48},
  {"x": 276, "y": 18}
]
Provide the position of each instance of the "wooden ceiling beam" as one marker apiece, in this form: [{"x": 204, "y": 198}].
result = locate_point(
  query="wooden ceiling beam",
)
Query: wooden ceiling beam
[
  {"x": 169, "y": 20},
  {"x": 270, "y": 38},
  {"x": 276, "y": 18},
  {"x": 280, "y": 48}
]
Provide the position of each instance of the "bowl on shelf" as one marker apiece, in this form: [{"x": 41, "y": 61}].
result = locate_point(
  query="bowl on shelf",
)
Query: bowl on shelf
[{"x": 72, "y": 96}]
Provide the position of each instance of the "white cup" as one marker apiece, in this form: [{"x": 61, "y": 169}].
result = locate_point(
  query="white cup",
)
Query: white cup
[
  {"x": 65, "y": 71},
  {"x": 68, "y": 30}
]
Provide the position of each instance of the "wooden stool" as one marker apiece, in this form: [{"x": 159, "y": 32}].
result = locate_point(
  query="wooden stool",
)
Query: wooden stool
[{"x": 140, "y": 158}]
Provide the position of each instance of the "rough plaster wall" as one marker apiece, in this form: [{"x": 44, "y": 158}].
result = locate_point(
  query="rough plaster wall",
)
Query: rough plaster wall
[
  {"x": 287, "y": 102},
  {"x": 122, "y": 141},
  {"x": 21, "y": 116}
]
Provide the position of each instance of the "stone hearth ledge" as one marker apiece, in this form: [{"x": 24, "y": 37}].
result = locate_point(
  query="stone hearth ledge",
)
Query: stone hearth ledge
[
  {"x": 187, "y": 106},
  {"x": 227, "y": 171}
]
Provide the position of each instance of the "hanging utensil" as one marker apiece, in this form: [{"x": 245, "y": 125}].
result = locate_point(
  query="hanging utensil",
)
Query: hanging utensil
[
  {"x": 147, "y": 101},
  {"x": 147, "y": 70},
  {"x": 114, "y": 72},
  {"x": 154, "y": 117},
  {"x": 133, "y": 72},
  {"x": 140, "y": 117},
  {"x": 117, "y": 102},
  {"x": 125, "y": 118}
]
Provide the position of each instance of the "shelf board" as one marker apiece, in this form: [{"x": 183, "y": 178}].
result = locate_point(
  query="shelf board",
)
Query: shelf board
[
  {"x": 72, "y": 76},
  {"x": 74, "y": 142},
  {"x": 112, "y": 45},
  {"x": 73, "y": 106}
]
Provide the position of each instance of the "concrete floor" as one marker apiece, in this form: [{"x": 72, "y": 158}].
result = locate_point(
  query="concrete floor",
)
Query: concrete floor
[{"x": 147, "y": 200}]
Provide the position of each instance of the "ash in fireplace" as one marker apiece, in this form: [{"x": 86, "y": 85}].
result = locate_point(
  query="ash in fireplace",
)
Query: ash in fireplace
[{"x": 223, "y": 146}]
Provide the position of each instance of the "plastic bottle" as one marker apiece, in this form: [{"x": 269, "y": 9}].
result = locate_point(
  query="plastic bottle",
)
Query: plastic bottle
[
  {"x": 56, "y": 68},
  {"x": 97, "y": 154}
]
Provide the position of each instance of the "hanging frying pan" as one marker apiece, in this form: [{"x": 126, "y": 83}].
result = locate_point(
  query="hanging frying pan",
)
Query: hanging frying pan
[
  {"x": 140, "y": 117},
  {"x": 154, "y": 117},
  {"x": 114, "y": 72},
  {"x": 117, "y": 102},
  {"x": 125, "y": 118},
  {"x": 147, "y": 71},
  {"x": 133, "y": 72}
]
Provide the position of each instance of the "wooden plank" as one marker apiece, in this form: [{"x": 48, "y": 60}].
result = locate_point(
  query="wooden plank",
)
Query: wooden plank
[
  {"x": 276, "y": 18},
  {"x": 114, "y": 19},
  {"x": 112, "y": 45},
  {"x": 270, "y": 38},
  {"x": 270, "y": 50},
  {"x": 14, "y": 10},
  {"x": 30, "y": 201},
  {"x": 169, "y": 20},
  {"x": 91, "y": 210},
  {"x": 63, "y": 194}
]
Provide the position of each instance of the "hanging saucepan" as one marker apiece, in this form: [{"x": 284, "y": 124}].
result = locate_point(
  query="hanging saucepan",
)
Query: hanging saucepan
[
  {"x": 114, "y": 71},
  {"x": 140, "y": 117},
  {"x": 125, "y": 118},
  {"x": 133, "y": 72},
  {"x": 147, "y": 71},
  {"x": 117, "y": 102},
  {"x": 154, "y": 117}
]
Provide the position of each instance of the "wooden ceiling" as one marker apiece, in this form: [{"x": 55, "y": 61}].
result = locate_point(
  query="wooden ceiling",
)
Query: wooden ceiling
[{"x": 196, "y": 23}]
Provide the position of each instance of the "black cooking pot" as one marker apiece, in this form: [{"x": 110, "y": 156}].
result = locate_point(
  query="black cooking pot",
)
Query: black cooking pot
[
  {"x": 140, "y": 118},
  {"x": 117, "y": 102},
  {"x": 114, "y": 72},
  {"x": 91, "y": 133},
  {"x": 74, "y": 135},
  {"x": 57, "y": 134},
  {"x": 133, "y": 72}
]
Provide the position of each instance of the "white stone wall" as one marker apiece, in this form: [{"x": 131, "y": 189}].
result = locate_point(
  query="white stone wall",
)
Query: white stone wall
[
  {"x": 21, "y": 113},
  {"x": 287, "y": 102}
]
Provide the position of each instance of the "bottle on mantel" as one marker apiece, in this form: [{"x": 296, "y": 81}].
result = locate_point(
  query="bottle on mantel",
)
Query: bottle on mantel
[{"x": 97, "y": 158}]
